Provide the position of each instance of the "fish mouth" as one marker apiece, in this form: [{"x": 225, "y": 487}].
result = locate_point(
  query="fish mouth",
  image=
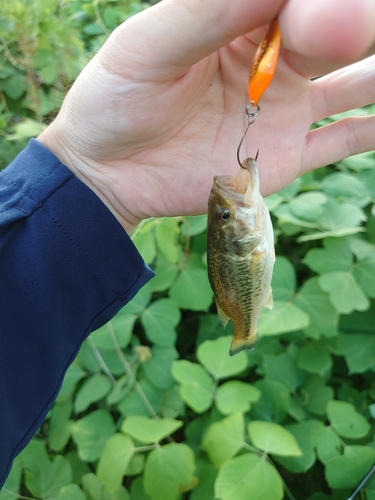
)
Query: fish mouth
[{"x": 233, "y": 186}]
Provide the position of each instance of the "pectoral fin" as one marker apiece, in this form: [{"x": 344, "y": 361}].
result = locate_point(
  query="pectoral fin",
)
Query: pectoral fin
[
  {"x": 222, "y": 316},
  {"x": 269, "y": 300}
]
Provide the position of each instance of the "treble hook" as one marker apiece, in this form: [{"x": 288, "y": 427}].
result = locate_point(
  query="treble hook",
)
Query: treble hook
[{"x": 251, "y": 116}]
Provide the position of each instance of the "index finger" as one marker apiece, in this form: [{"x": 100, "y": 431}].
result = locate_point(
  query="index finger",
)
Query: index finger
[{"x": 175, "y": 34}]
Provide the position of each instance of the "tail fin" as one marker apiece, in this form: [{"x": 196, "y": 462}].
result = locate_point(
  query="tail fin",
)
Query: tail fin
[{"x": 239, "y": 345}]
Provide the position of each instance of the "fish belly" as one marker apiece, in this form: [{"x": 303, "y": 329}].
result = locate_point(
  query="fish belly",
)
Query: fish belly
[{"x": 242, "y": 290}]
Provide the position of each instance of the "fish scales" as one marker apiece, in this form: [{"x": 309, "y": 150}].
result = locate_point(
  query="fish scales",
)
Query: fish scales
[{"x": 240, "y": 252}]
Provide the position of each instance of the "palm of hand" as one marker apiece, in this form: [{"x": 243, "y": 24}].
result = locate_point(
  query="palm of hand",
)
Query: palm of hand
[{"x": 159, "y": 135}]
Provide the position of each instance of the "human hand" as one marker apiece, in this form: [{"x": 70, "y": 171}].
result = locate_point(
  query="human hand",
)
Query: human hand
[{"x": 160, "y": 109}]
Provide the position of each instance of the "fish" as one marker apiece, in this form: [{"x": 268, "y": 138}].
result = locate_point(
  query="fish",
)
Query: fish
[{"x": 240, "y": 252}]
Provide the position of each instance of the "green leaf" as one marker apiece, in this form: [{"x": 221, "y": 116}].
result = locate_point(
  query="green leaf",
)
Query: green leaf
[
  {"x": 273, "y": 201},
  {"x": 14, "y": 87},
  {"x": 284, "y": 317},
  {"x": 193, "y": 225},
  {"x": 236, "y": 396},
  {"x": 315, "y": 302},
  {"x": 159, "y": 321},
  {"x": 273, "y": 438},
  {"x": 197, "y": 387},
  {"x": 91, "y": 432},
  {"x": 137, "y": 490},
  {"x": 210, "y": 328},
  {"x": 328, "y": 444},
  {"x": 308, "y": 206},
  {"x": 46, "y": 479},
  {"x": 92, "y": 487},
  {"x": 136, "y": 465},
  {"x": 165, "y": 274},
  {"x": 92, "y": 390},
  {"x": 285, "y": 214},
  {"x": 145, "y": 242},
  {"x": 344, "y": 292},
  {"x": 361, "y": 248},
  {"x": 224, "y": 439},
  {"x": 158, "y": 367},
  {"x": 13, "y": 482},
  {"x": 134, "y": 403},
  {"x": 362, "y": 161},
  {"x": 273, "y": 402},
  {"x": 317, "y": 395},
  {"x": 72, "y": 376},
  {"x": 166, "y": 234},
  {"x": 139, "y": 302},
  {"x": 191, "y": 290},
  {"x": 60, "y": 425},
  {"x": 346, "y": 187},
  {"x": 346, "y": 420},
  {"x": 34, "y": 455},
  {"x": 314, "y": 357},
  {"x": 26, "y": 129},
  {"x": 340, "y": 216},
  {"x": 50, "y": 73},
  {"x": 79, "y": 467},
  {"x": 114, "y": 461},
  {"x": 335, "y": 256},
  {"x": 147, "y": 430},
  {"x": 283, "y": 367},
  {"x": 358, "y": 322},
  {"x": 173, "y": 405},
  {"x": 359, "y": 352},
  {"x": 214, "y": 356},
  {"x": 121, "y": 325},
  {"x": 368, "y": 177},
  {"x": 248, "y": 477},
  {"x": 283, "y": 279},
  {"x": 291, "y": 190},
  {"x": 71, "y": 492},
  {"x": 305, "y": 434},
  {"x": 347, "y": 470},
  {"x": 167, "y": 469},
  {"x": 364, "y": 272},
  {"x": 207, "y": 474}
]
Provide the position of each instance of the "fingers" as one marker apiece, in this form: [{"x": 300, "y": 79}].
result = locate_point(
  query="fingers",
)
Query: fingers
[
  {"x": 338, "y": 140},
  {"x": 175, "y": 34},
  {"x": 348, "y": 88},
  {"x": 325, "y": 34}
]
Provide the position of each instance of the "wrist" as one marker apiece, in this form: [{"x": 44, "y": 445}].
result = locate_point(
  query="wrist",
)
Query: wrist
[{"x": 90, "y": 174}]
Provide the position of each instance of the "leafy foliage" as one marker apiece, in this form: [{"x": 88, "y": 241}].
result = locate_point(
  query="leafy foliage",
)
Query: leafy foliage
[{"x": 153, "y": 407}]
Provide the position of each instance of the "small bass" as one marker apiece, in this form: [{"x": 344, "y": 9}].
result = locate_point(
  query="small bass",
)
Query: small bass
[{"x": 240, "y": 252}]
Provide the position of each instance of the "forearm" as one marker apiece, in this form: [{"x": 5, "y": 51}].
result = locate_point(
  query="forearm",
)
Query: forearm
[{"x": 66, "y": 266}]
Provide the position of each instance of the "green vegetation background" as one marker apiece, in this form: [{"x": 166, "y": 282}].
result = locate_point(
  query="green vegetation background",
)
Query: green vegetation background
[{"x": 153, "y": 407}]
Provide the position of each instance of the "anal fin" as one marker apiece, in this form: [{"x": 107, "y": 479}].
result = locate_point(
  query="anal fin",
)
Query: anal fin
[{"x": 222, "y": 316}]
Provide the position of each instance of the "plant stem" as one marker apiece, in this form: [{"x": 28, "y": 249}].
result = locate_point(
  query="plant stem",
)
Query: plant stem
[
  {"x": 129, "y": 371},
  {"x": 100, "y": 360},
  {"x": 145, "y": 448}
]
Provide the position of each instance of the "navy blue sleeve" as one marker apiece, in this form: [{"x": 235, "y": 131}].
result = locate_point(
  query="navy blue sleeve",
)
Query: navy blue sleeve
[{"x": 66, "y": 267}]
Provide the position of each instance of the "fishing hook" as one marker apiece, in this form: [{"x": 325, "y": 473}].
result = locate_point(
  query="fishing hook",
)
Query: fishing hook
[{"x": 251, "y": 116}]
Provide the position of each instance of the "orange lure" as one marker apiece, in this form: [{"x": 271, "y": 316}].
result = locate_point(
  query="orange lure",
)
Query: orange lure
[{"x": 265, "y": 61}]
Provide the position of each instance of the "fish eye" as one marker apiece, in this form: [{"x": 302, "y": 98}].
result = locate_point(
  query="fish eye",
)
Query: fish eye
[{"x": 225, "y": 214}]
